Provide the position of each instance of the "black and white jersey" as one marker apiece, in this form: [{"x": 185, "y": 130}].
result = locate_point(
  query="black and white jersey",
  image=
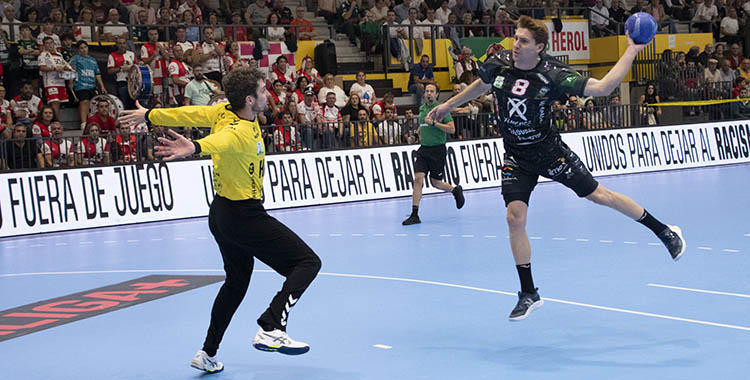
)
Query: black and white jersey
[{"x": 523, "y": 98}]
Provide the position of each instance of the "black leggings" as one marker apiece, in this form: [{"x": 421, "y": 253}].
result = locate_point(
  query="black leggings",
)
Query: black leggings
[{"x": 244, "y": 231}]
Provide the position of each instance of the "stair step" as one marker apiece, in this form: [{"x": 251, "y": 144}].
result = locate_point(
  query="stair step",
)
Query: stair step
[{"x": 355, "y": 67}]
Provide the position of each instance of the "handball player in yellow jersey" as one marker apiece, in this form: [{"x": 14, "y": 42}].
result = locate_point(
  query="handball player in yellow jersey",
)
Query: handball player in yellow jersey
[{"x": 242, "y": 228}]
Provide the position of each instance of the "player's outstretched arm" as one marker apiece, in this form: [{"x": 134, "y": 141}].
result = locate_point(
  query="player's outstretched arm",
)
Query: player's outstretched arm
[
  {"x": 180, "y": 147},
  {"x": 605, "y": 86},
  {"x": 193, "y": 116},
  {"x": 475, "y": 90}
]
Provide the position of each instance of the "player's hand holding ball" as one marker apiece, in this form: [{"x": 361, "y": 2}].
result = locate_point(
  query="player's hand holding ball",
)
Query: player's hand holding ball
[{"x": 641, "y": 28}]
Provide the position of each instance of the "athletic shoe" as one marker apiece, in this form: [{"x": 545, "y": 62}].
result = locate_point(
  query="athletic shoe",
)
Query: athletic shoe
[
  {"x": 203, "y": 362},
  {"x": 412, "y": 219},
  {"x": 673, "y": 240},
  {"x": 278, "y": 341},
  {"x": 458, "y": 193},
  {"x": 527, "y": 302}
]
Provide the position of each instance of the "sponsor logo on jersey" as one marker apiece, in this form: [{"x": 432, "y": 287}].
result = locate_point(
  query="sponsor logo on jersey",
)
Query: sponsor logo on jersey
[
  {"x": 499, "y": 80},
  {"x": 518, "y": 107}
]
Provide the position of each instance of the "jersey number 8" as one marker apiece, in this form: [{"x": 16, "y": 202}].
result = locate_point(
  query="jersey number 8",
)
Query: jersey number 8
[{"x": 520, "y": 86}]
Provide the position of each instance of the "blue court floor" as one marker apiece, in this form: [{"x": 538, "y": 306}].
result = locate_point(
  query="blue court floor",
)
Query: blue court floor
[{"x": 422, "y": 302}]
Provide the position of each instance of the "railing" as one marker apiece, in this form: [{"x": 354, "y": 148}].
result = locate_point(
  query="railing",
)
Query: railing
[
  {"x": 117, "y": 149},
  {"x": 167, "y": 31}
]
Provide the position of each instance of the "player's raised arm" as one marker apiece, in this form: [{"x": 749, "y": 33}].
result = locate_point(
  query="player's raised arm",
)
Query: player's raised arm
[{"x": 605, "y": 86}]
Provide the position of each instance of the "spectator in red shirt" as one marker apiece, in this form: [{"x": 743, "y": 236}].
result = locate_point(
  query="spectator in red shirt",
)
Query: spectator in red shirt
[
  {"x": 102, "y": 118},
  {"x": 305, "y": 33},
  {"x": 43, "y": 121}
]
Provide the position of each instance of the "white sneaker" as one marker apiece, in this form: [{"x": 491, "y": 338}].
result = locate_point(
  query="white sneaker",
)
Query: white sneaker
[
  {"x": 278, "y": 341},
  {"x": 203, "y": 362}
]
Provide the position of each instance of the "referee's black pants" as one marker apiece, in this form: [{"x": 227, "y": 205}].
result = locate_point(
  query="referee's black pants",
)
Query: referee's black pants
[{"x": 244, "y": 231}]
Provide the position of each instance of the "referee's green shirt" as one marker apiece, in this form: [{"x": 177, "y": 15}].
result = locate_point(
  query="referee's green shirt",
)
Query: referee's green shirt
[{"x": 431, "y": 135}]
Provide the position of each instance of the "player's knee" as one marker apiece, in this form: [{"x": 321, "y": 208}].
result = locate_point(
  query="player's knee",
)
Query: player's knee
[
  {"x": 419, "y": 179},
  {"x": 516, "y": 218},
  {"x": 601, "y": 196}
]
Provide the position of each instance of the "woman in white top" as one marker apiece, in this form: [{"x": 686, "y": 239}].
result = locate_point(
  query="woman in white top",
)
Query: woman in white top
[
  {"x": 82, "y": 29},
  {"x": 275, "y": 32},
  {"x": 330, "y": 86}
]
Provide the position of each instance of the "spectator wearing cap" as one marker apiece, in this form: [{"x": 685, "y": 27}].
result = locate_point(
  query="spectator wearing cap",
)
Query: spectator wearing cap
[
  {"x": 310, "y": 117},
  {"x": 711, "y": 74},
  {"x": 237, "y": 32}
]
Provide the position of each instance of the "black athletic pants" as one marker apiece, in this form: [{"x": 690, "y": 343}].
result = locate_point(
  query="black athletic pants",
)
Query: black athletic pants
[{"x": 244, "y": 231}]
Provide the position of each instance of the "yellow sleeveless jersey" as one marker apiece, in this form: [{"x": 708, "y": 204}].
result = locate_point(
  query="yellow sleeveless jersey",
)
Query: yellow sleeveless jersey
[{"x": 235, "y": 145}]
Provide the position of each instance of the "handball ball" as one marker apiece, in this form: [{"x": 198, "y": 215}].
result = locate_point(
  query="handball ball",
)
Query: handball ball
[{"x": 641, "y": 27}]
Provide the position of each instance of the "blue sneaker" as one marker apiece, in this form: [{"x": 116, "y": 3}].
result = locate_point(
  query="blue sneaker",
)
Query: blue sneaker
[
  {"x": 278, "y": 341},
  {"x": 527, "y": 302}
]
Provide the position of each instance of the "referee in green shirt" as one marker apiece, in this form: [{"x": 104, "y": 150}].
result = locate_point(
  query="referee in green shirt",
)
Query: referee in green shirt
[{"x": 430, "y": 157}]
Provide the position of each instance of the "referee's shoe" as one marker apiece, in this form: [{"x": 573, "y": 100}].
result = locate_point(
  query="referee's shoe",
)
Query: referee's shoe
[
  {"x": 458, "y": 194},
  {"x": 206, "y": 363},
  {"x": 278, "y": 341}
]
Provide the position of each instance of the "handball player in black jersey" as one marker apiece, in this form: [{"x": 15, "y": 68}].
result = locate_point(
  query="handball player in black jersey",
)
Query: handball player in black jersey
[{"x": 525, "y": 82}]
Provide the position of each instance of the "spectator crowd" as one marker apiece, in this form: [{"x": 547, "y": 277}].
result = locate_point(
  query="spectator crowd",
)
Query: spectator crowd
[{"x": 189, "y": 45}]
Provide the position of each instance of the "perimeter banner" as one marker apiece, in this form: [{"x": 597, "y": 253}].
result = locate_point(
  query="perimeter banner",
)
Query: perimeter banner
[{"x": 60, "y": 200}]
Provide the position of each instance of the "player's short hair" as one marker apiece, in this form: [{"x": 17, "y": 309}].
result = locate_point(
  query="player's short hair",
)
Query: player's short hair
[
  {"x": 81, "y": 42},
  {"x": 239, "y": 83},
  {"x": 433, "y": 85},
  {"x": 537, "y": 28}
]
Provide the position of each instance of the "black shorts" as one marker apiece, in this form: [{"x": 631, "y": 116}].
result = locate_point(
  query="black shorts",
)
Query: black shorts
[
  {"x": 85, "y": 94},
  {"x": 552, "y": 159},
  {"x": 431, "y": 160}
]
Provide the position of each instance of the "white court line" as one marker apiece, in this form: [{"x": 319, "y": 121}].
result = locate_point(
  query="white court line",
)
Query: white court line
[
  {"x": 535, "y": 238},
  {"x": 110, "y": 241},
  {"x": 701, "y": 291},
  {"x": 730, "y": 250},
  {"x": 179, "y": 238},
  {"x": 423, "y": 235},
  {"x": 654, "y": 243},
  {"x": 334, "y": 235},
  {"x": 202, "y": 238},
  {"x": 383, "y": 346},
  {"x": 135, "y": 241},
  {"x": 630, "y": 242},
  {"x": 446, "y": 235},
  {"x": 85, "y": 242},
  {"x": 625, "y": 311},
  {"x": 705, "y": 248},
  {"x": 358, "y": 234},
  {"x": 467, "y": 236},
  {"x": 156, "y": 239},
  {"x": 747, "y": 235},
  {"x": 402, "y": 235},
  {"x": 313, "y": 235},
  {"x": 60, "y": 244},
  {"x": 378, "y": 234},
  {"x": 559, "y": 238},
  {"x": 36, "y": 245},
  {"x": 606, "y": 241},
  {"x": 10, "y": 246},
  {"x": 490, "y": 236},
  {"x": 582, "y": 239}
]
